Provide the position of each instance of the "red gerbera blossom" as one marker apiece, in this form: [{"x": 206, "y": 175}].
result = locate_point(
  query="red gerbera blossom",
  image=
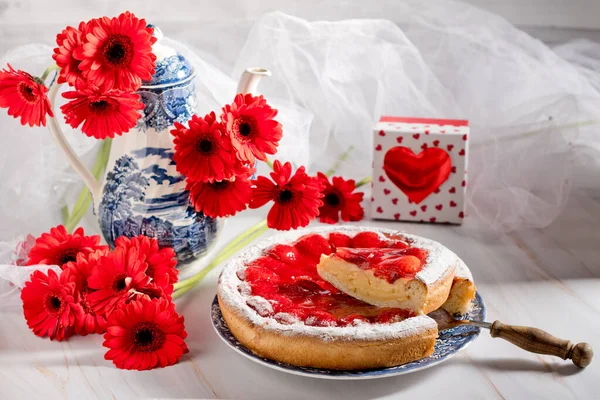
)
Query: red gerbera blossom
[
  {"x": 104, "y": 113},
  {"x": 161, "y": 262},
  {"x": 24, "y": 96},
  {"x": 144, "y": 335},
  {"x": 59, "y": 247},
  {"x": 114, "y": 278},
  {"x": 221, "y": 198},
  {"x": 78, "y": 272},
  {"x": 117, "y": 53},
  {"x": 338, "y": 198},
  {"x": 297, "y": 198},
  {"x": 250, "y": 124},
  {"x": 202, "y": 152},
  {"x": 49, "y": 305},
  {"x": 69, "y": 41}
]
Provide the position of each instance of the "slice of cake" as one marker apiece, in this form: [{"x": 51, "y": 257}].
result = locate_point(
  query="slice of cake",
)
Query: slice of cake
[
  {"x": 462, "y": 293},
  {"x": 417, "y": 277}
]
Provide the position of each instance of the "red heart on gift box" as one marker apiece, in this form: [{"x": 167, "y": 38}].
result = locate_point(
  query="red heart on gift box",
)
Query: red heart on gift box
[{"x": 417, "y": 175}]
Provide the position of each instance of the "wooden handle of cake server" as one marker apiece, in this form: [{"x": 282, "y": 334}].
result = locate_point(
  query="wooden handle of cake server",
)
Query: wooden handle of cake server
[{"x": 537, "y": 341}]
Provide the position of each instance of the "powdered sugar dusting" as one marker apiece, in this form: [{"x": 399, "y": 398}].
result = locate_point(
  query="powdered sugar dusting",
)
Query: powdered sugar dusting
[
  {"x": 237, "y": 297},
  {"x": 462, "y": 271}
]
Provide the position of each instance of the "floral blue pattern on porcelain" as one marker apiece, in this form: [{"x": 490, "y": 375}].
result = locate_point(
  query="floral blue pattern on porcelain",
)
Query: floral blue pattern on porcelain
[{"x": 449, "y": 343}]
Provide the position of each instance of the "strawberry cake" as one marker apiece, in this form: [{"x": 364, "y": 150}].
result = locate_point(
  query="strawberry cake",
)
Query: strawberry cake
[{"x": 277, "y": 303}]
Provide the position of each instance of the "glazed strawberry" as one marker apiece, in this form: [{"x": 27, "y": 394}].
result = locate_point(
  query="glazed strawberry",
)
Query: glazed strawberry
[
  {"x": 339, "y": 240},
  {"x": 392, "y": 315},
  {"x": 313, "y": 246},
  {"x": 284, "y": 253},
  {"x": 268, "y": 263},
  {"x": 321, "y": 318},
  {"x": 257, "y": 273},
  {"x": 366, "y": 239},
  {"x": 419, "y": 253},
  {"x": 397, "y": 244},
  {"x": 395, "y": 268},
  {"x": 350, "y": 319}
]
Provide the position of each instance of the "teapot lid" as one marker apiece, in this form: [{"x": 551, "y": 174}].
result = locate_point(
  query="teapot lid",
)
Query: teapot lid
[{"x": 171, "y": 67}]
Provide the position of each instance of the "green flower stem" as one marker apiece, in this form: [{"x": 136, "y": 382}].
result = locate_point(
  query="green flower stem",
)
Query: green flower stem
[
  {"x": 363, "y": 181},
  {"x": 238, "y": 243},
  {"x": 84, "y": 199},
  {"x": 339, "y": 161},
  {"x": 48, "y": 71},
  {"x": 269, "y": 163}
]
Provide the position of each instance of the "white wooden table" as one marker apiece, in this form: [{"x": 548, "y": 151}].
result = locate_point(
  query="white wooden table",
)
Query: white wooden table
[{"x": 549, "y": 278}]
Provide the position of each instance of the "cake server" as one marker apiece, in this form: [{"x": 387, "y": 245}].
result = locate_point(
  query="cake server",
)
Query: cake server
[{"x": 531, "y": 339}]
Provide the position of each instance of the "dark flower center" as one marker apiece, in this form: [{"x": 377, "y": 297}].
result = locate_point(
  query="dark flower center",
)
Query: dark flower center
[
  {"x": 332, "y": 199},
  {"x": 120, "y": 284},
  {"x": 118, "y": 50},
  {"x": 53, "y": 303},
  {"x": 220, "y": 185},
  {"x": 245, "y": 128},
  {"x": 102, "y": 107},
  {"x": 206, "y": 146},
  {"x": 285, "y": 196},
  {"x": 27, "y": 91},
  {"x": 147, "y": 337},
  {"x": 67, "y": 255}
]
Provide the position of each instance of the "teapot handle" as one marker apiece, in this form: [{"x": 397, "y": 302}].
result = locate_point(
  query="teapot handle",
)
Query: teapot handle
[{"x": 88, "y": 179}]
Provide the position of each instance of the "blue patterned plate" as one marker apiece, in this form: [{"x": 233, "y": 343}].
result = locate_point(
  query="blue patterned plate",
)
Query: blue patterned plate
[{"x": 450, "y": 342}]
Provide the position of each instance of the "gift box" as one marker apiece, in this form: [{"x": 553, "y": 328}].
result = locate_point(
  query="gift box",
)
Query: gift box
[{"x": 420, "y": 169}]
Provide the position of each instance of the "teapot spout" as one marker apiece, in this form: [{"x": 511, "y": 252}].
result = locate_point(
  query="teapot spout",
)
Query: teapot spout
[{"x": 250, "y": 78}]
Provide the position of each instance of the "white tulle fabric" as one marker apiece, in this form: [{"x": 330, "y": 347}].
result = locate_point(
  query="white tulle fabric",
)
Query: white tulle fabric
[{"x": 534, "y": 111}]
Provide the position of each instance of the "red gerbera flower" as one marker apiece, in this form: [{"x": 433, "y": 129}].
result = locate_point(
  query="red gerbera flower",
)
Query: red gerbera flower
[
  {"x": 117, "y": 53},
  {"x": 338, "y": 198},
  {"x": 59, "y": 247},
  {"x": 24, "y": 96},
  {"x": 49, "y": 305},
  {"x": 144, "y": 335},
  {"x": 161, "y": 262},
  {"x": 78, "y": 272},
  {"x": 250, "y": 124},
  {"x": 69, "y": 41},
  {"x": 202, "y": 153},
  {"x": 221, "y": 198},
  {"x": 104, "y": 113},
  {"x": 297, "y": 198},
  {"x": 114, "y": 278}
]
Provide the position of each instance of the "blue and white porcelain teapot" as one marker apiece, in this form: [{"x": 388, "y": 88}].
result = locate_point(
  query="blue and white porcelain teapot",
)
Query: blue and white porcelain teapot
[{"x": 142, "y": 192}]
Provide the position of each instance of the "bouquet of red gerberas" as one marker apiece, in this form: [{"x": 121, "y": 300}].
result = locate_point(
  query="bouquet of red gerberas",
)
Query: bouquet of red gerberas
[{"x": 124, "y": 294}]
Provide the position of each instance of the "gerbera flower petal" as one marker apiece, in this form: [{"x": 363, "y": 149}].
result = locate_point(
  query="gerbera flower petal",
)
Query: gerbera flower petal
[
  {"x": 49, "y": 305},
  {"x": 117, "y": 53},
  {"x": 147, "y": 332},
  {"x": 59, "y": 247},
  {"x": 250, "y": 125},
  {"x": 24, "y": 96},
  {"x": 70, "y": 42},
  {"x": 104, "y": 114},
  {"x": 220, "y": 198},
  {"x": 202, "y": 152},
  {"x": 339, "y": 200},
  {"x": 296, "y": 198}
]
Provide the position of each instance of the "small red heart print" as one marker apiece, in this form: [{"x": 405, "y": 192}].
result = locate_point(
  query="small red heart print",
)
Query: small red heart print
[
  {"x": 443, "y": 131},
  {"x": 413, "y": 213},
  {"x": 436, "y": 143},
  {"x": 378, "y": 147},
  {"x": 452, "y": 190},
  {"x": 424, "y": 146},
  {"x": 461, "y": 214},
  {"x": 381, "y": 133},
  {"x": 461, "y": 152},
  {"x": 427, "y": 132},
  {"x": 450, "y": 147},
  {"x": 436, "y": 191},
  {"x": 386, "y": 191},
  {"x": 464, "y": 137},
  {"x": 452, "y": 204},
  {"x": 381, "y": 178},
  {"x": 379, "y": 210},
  {"x": 453, "y": 170},
  {"x": 439, "y": 207},
  {"x": 424, "y": 208},
  {"x": 397, "y": 216},
  {"x": 416, "y": 136},
  {"x": 399, "y": 139},
  {"x": 432, "y": 219},
  {"x": 394, "y": 201},
  {"x": 463, "y": 184},
  {"x": 421, "y": 220},
  {"x": 372, "y": 199}
]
